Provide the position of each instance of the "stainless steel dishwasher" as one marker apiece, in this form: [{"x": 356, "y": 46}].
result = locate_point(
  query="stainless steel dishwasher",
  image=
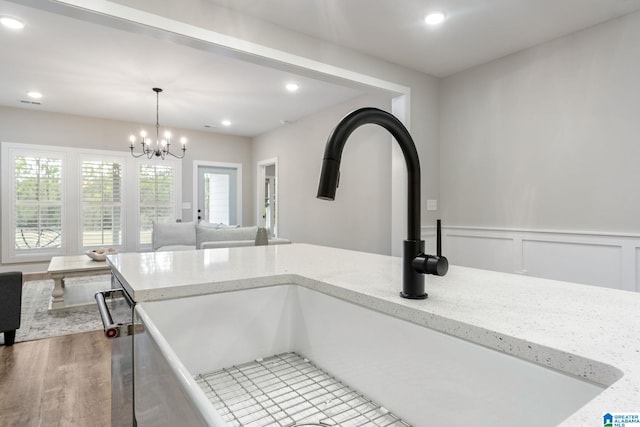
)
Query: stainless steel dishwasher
[{"x": 116, "y": 311}]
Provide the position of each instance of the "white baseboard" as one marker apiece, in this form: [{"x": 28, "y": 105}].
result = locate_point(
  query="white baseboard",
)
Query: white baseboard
[{"x": 603, "y": 259}]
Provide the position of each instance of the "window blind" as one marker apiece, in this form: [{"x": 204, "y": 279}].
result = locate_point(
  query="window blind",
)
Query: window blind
[
  {"x": 101, "y": 203},
  {"x": 37, "y": 202},
  {"x": 157, "y": 197}
]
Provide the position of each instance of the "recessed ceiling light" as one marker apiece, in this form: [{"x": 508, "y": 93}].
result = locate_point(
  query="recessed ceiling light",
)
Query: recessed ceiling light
[
  {"x": 13, "y": 23},
  {"x": 34, "y": 95},
  {"x": 292, "y": 87},
  {"x": 434, "y": 18},
  {"x": 226, "y": 123}
]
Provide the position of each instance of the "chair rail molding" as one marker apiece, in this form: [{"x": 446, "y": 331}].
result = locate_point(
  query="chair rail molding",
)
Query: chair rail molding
[{"x": 604, "y": 259}]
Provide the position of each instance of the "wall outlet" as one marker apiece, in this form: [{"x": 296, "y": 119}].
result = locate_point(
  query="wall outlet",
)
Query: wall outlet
[{"x": 432, "y": 205}]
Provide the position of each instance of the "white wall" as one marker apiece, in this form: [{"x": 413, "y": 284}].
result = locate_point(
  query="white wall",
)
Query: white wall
[
  {"x": 547, "y": 138},
  {"x": 359, "y": 217},
  {"x": 539, "y": 159},
  {"x": 42, "y": 128}
]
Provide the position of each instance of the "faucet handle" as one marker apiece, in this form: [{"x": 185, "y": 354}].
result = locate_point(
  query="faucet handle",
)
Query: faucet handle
[
  {"x": 436, "y": 265},
  {"x": 431, "y": 264},
  {"x": 438, "y": 238}
]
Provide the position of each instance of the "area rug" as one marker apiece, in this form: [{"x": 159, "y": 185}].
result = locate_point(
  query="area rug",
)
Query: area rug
[{"x": 36, "y": 322}]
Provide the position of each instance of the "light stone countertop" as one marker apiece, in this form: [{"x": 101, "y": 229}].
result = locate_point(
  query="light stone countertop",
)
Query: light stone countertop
[{"x": 582, "y": 330}]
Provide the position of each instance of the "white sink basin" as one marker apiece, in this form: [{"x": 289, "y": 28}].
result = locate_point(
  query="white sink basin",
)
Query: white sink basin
[{"x": 425, "y": 377}]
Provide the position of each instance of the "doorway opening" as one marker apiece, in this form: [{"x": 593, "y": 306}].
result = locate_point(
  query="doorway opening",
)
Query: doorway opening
[{"x": 267, "y": 202}]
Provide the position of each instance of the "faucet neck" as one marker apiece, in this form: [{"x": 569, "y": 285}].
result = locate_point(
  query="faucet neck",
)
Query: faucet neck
[{"x": 355, "y": 119}]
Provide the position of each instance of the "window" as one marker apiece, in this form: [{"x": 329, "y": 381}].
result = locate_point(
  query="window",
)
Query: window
[
  {"x": 33, "y": 202},
  {"x": 63, "y": 201},
  {"x": 37, "y": 190},
  {"x": 101, "y": 203},
  {"x": 157, "y": 199}
]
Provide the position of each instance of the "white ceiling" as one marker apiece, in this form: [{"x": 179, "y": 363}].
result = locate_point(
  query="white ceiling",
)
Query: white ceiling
[
  {"x": 475, "y": 32},
  {"x": 89, "y": 69}
]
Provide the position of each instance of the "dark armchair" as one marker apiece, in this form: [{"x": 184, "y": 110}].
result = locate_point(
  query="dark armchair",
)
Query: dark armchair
[{"x": 10, "y": 304}]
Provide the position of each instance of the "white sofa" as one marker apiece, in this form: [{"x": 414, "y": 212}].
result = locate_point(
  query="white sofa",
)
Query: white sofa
[{"x": 180, "y": 236}]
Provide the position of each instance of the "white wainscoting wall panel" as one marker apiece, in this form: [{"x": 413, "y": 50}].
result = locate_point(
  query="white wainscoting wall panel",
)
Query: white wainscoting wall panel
[
  {"x": 489, "y": 253},
  {"x": 602, "y": 259},
  {"x": 599, "y": 265}
]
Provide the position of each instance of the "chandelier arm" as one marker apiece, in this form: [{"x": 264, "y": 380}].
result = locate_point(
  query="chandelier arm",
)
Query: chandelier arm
[
  {"x": 137, "y": 155},
  {"x": 145, "y": 151},
  {"x": 176, "y": 156}
]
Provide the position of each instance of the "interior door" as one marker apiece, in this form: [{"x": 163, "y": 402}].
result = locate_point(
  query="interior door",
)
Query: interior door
[{"x": 218, "y": 194}]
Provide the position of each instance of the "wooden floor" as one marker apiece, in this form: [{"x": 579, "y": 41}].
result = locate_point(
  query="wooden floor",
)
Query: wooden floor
[{"x": 60, "y": 381}]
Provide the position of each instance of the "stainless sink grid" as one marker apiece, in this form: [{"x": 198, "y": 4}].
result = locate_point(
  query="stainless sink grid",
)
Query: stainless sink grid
[{"x": 288, "y": 390}]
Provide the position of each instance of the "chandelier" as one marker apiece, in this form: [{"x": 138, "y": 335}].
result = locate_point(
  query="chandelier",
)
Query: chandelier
[{"x": 162, "y": 146}]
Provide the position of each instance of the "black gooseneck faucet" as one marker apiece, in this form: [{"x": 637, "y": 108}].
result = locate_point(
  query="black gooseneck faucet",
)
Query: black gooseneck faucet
[{"x": 415, "y": 261}]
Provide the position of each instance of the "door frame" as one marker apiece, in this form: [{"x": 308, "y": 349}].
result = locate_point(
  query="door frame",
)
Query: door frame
[
  {"x": 237, "y": 166},
  {"x": 261, "y": 167}
]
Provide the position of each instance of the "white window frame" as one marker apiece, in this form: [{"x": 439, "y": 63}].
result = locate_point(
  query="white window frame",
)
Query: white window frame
[{"x": 9, "y": 152}]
